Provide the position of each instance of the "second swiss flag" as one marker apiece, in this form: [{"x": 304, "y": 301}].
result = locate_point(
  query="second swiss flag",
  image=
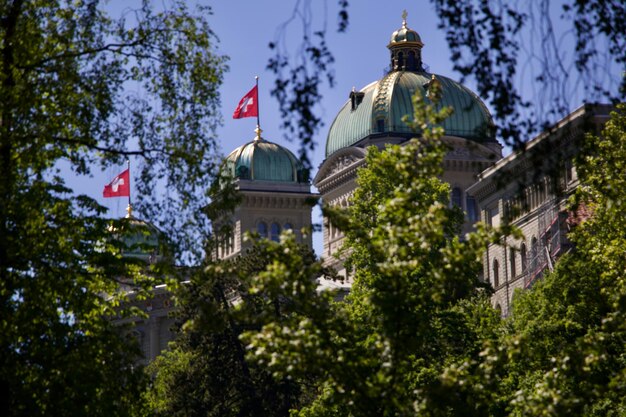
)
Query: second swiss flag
[{"x": 249, "y": 105}]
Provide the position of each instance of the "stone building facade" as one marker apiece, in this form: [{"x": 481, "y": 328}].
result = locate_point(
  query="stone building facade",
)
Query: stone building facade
[
  {"x": 530, "y": 189},
  {"x": 143, "y": 242},
  {"x": 275, "y": 196},
  {"x": 154, "y": 332}
]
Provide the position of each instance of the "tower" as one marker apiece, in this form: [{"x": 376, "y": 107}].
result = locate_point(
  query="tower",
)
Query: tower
[{"x": 275, "y": 195}]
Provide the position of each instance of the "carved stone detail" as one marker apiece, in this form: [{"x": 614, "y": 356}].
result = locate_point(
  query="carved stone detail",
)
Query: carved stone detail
[{"x": 342, "y": 162}]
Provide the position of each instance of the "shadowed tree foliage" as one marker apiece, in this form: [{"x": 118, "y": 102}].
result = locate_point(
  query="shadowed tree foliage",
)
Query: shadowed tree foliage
[
  {"x": 64, "y": 72},
  {"x": 206, "y": 372},
  {"x": 300, "y": 75}
]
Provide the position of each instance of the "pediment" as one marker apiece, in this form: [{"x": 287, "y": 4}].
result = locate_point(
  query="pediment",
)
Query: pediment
[{"x": 339, "y": 161}]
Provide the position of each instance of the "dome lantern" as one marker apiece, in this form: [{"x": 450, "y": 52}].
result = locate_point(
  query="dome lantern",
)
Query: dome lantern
[{"x": 406, "y": 49}]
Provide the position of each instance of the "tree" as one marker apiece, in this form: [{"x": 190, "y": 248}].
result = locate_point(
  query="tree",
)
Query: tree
[
  {"x": 206, "y": 372},
  {"x": 415, "y": 305},
  {"x": 64, "y": 67},
  {"x": 300, "y": 75},
  {"x": 562, "y": 351},
  {"x": 490, "y": 42}
]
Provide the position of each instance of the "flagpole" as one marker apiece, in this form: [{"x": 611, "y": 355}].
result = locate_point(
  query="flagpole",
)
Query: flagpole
[
  {"x": 258, "y": 108},
  {"x": 129, "y": 209},
  {"x": 258, "y": 112}
]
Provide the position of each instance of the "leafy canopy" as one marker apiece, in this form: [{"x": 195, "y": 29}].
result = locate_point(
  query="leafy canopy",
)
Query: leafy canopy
[{"x": 79, "y": 89}]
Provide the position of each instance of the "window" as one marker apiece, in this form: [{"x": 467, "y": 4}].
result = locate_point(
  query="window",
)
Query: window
[
  {"x": 288, "y": 226},
  {"x": 512, "y": 261},
  {"x": 533, "y": 253},
  {"x": 275, "y": 232},
  {"x": 380, "y": 125},
  {"x": 569, "y": 171},
  {"x": 496, "y": 273},
  {"x": 262, "y": 229},
  {"x": 472, "y": 209},
  {"x": 243, "y": 172},
  {"x": 411, "y": 61},
  {"x": 523, "y": 257},
  {"x": 456, "y": 198}
]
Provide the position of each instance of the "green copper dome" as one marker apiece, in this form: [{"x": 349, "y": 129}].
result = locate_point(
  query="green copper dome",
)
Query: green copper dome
[
  {"x": 138, "y": 239},
  {"x": 378, "y": 109},
  {"x": 384, "y": 103},
  {"x": 261, "y": 160}
]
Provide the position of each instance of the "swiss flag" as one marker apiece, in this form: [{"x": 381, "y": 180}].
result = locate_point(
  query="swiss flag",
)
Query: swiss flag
[
  {"x": 249, "y": 105},
  {"x": 119, "y": 187}
]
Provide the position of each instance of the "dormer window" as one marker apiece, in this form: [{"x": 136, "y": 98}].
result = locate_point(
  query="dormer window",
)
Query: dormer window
[{"x": 356, "y": 98}]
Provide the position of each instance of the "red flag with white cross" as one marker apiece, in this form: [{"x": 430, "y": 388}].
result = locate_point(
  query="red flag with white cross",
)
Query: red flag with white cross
[
  {"x": 249, "y": 105},
  {"x": 119, "y": 187}
]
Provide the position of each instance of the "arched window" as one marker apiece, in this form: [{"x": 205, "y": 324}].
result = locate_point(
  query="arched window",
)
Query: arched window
[
  {"x": 275, "y": 232},
  {"x": 472, "y": 208},
  {"x": 512, "y": 261},
  {"x": 243, "y": 172},
  {"x": 288, "y": 226},
  {"x": 496, "y": 273},
  {"x": 457, "y": 196},
  {"x": 523, "y": 257},
  {"x": 411, "y": 61},
  {"x": 261, "y": 228}
]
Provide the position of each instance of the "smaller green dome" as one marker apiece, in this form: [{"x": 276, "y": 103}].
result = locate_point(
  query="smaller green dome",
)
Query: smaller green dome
[
  {"x": 138, "y": 238},
  {"x": 142, "y": 239},
  {"x": 261, "y": 160}
]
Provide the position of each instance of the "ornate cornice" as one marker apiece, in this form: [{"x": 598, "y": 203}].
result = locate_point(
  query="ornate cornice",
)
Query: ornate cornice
[{"x": 277, "y": 201}]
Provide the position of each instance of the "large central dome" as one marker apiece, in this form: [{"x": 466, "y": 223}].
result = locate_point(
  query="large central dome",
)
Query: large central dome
[{"x": 378, "y": 109}]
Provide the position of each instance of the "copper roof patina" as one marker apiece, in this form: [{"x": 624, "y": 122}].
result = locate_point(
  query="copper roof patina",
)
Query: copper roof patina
[{"x": 261, "y": 160}]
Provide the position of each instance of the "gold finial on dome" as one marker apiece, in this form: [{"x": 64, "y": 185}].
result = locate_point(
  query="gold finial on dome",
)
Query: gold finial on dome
[
  {"x": 129, "y": 211},
  {"x": 258, "y": 132},
  {"x": 404, "y": 15}
]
